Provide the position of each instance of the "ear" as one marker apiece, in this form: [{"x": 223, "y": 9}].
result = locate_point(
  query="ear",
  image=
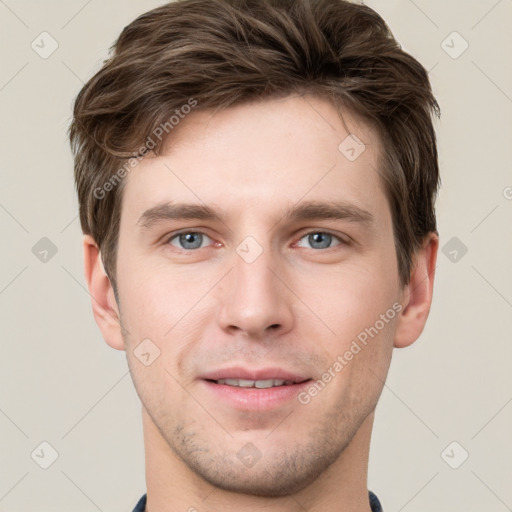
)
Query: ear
[
  {"x": 417, "y": 295},
  {"x": 104, "y": 306}
]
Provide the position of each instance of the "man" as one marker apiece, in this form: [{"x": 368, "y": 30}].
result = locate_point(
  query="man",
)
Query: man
[{"x": 257, "y": 183}]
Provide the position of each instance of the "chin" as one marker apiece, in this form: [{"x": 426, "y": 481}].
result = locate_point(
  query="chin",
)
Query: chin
[{"x": 278, "y": 473}]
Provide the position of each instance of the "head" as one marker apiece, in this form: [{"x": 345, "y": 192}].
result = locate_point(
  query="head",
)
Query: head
[{"x": 231, "y": 220}]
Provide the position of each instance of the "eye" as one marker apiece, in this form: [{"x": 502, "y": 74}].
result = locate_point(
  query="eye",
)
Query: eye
[
  {"x": 188, "y": 240},
  {"x": 320, "y": 240}
]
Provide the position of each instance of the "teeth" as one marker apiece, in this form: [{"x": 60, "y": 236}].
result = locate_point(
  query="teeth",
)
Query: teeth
[
  {"x": 243, "y": 383},
  {"x": 260, "y": 384},
  {"x": 268, "y": 383}
]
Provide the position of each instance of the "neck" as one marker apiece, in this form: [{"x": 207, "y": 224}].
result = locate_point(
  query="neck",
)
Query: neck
[{"x": 172, "y": 485}]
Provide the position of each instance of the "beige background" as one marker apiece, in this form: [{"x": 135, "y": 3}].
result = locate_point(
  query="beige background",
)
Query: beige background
[{"x": 61, "y": 384}]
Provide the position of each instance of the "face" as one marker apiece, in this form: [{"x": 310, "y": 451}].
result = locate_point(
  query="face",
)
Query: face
[{"x": 257, "y": 262}]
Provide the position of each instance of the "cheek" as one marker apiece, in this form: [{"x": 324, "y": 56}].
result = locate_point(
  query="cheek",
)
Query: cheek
[
  {"x": 154, "y": 296},
  {"x": 348, "y": 299},
  {"x": 165, "y": 307}
]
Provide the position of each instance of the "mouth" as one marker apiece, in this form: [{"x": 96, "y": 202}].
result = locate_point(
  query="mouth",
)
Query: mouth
[
  {"x": 254, "y": 390},
  {"x": 260, "y": 384},
  {"x": 263, "y": 378}
]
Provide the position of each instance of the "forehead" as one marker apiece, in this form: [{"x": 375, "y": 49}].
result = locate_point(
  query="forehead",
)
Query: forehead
[{"x": 260, "y": 157}]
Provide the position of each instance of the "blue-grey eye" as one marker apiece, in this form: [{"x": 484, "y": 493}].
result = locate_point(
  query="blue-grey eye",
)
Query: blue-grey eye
[
  {"x": 320, "y": 239},
  {"x": 189, "y": 240}
]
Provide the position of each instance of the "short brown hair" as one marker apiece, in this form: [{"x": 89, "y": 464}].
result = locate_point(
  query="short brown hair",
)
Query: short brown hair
[{"x": 225, "y": 52}]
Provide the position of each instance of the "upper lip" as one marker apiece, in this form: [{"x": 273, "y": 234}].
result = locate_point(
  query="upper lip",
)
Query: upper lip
[{"x": 239, "y": 372}]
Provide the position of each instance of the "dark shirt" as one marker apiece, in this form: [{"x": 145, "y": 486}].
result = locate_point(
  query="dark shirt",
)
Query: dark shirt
[{"x": 374, "y": 503}]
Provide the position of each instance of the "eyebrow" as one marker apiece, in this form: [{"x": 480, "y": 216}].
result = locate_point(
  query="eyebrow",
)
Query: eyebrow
[{"x": 305, "y": 210}]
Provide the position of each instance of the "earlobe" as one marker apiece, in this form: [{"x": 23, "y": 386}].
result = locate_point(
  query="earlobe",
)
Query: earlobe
[
  {"x": 417, "y": 295},
  {"x": 104, "y": 306}
]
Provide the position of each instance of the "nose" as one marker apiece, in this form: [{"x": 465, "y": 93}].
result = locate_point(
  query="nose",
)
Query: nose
[{"x": 255, "y": 299}]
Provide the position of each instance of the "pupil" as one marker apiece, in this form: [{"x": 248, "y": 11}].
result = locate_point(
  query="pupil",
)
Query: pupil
[
  {"x": 323, "y": 239},
  {"x": 189, "y": 240}
]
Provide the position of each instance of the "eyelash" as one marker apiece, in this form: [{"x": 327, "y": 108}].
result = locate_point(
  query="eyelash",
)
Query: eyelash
[{"x": 316, "y": 231}]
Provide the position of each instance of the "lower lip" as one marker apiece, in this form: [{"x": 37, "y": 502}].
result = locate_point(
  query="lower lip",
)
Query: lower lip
[{"x": 255, "y": 399}]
